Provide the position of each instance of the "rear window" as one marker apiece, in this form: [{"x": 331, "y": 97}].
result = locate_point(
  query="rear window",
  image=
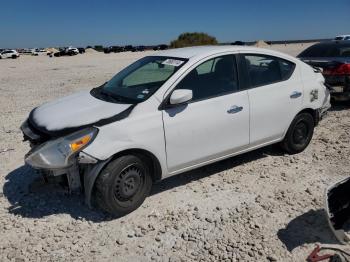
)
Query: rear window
[{"x": 327, "y": 51}]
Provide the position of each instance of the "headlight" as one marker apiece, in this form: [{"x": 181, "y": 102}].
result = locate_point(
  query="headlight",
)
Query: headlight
[{"x": 58, "y": 153}]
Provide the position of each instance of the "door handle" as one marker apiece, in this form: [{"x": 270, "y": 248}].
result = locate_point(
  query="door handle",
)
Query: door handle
[
  {"x": 235, "y": 109},
  {"x": 296, "y": 94}
]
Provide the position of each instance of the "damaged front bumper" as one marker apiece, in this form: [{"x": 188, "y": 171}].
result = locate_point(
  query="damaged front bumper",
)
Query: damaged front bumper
[
  {"x": 71, "y": 170},
  {"x": 80, "y": 176},
  {"x": 338, "y": 210},
  {"x": 61, "y": 157}
]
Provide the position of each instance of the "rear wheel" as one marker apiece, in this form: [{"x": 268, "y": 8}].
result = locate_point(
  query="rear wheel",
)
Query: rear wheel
[
  {"x": 123, "y": 185},
  {"x": 299, "y": 133}
]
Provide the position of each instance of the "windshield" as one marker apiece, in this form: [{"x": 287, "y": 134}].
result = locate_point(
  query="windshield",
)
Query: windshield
[{"x": 141, "y": 79}]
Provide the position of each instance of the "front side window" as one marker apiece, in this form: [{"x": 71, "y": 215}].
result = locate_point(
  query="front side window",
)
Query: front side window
[
  {"x": 140, "y": 80},
  {"x": 265, "y": 70},
  {"x": 215, "y": 77}
]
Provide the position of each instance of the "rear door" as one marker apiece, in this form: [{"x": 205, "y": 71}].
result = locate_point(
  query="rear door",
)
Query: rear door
[
  {"x": 215, "y": 123},
  {"x": 275, "y": 95}
]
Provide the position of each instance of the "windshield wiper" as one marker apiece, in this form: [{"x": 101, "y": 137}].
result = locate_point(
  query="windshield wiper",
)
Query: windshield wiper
[{"x": 117, "y": 98}]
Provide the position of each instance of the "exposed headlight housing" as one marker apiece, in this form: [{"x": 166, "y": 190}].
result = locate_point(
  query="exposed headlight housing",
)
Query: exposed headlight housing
[{"x": 58, "y": 153}]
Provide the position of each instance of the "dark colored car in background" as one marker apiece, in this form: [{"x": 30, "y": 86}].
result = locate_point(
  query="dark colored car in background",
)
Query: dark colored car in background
[
  {"x": 113, "y": 49},
  {"x": 128, "y": 48},
  {"x": 66, "y": 52},
  {"x": 139, "y": 48},
  {"x": 334, "y": 59},
  {"x": 81, "y": 50},
  {"x": 160, "y": 47},
  {"x": 238, "y": 43}
]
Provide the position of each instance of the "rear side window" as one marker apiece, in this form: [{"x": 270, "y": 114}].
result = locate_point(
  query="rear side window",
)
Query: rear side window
[
  {"x": 287, "y": 69},
  {"x": 264, "y": 70}
]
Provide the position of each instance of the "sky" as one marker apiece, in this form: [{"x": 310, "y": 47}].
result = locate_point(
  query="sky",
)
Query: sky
[{"x": 39, "y": 23}]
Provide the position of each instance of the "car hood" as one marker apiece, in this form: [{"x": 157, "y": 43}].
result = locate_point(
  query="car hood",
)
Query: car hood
[{"x": 75, "y": 111}]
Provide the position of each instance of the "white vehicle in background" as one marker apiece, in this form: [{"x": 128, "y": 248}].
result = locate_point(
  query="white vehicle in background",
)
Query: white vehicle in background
[
  {"x": 171, "y": 112},
  {"x": 342, "y": 37},
  {"x": 9, "y": 54},
  {"x": 38, "y": 51},
  {"x": 72, "y": 50}
]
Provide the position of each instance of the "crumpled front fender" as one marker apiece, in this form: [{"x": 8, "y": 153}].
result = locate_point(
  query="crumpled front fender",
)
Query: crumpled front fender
[{"x": 90, "y": 178}]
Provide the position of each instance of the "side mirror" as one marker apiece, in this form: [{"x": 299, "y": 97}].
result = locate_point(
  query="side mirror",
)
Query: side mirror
[{"x": 180, "y": 96}]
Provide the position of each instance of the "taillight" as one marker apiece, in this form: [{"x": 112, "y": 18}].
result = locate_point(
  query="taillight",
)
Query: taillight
[{"x": 342, "y": 69}]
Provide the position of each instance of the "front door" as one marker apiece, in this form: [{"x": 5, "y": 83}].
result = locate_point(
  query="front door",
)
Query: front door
[{"x": 215, "y": 123}]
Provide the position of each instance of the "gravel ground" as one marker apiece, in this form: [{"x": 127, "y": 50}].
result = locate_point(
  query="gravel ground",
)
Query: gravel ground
[{"x": 260, "y": 206}]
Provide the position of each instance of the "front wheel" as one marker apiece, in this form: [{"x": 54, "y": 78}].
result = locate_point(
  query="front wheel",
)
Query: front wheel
[
  {"x": 123, "y": 185},
  {"x": 299, "y": 134}
]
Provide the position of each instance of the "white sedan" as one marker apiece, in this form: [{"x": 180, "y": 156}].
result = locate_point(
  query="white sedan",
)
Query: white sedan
[
  {"x": 9, "y": 54},
  {"x": 172, "y": 112}
]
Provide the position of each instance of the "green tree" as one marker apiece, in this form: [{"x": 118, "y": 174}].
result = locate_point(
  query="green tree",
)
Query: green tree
[{"x": 193, "y": 39}]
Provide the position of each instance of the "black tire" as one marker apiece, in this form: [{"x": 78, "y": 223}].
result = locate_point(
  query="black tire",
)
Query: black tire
[
  {"x": 299, "y": 134},
  {"x": 13, "y": 56},
  {"x": 123, "y": 185}
]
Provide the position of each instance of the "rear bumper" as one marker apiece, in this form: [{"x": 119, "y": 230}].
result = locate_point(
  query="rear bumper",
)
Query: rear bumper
[
  {"x": 339, "y": 87},
  {"x": 338, "y": 94}
]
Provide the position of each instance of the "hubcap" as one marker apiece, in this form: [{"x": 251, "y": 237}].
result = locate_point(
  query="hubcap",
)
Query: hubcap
[
  {"x": 300, "y": 134},
  {"x": 128, "y": 183}
]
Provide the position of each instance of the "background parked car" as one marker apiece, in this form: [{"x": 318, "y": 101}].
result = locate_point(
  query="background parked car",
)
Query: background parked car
[
  {"x": 333, "y": 58},
  {"x": 140, "y": 48},
  {"x": 70, "y": 51},
  {"x": 81, "y": 50},
  {"x": 342, "y": 37},
  {"x": 238, "y": 43},
  {"x": 128, "y": 48},
  {"x": 9, "y": 54},
  {"x": 160, "y": 47},
  {"x": 114, "y": 49}
]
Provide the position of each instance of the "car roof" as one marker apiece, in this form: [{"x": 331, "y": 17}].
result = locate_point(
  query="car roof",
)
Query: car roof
[{"x": 202, "y": 51}]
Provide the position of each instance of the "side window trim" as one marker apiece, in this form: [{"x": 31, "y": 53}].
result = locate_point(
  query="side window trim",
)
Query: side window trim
[{"x": 245, "y": 75}]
